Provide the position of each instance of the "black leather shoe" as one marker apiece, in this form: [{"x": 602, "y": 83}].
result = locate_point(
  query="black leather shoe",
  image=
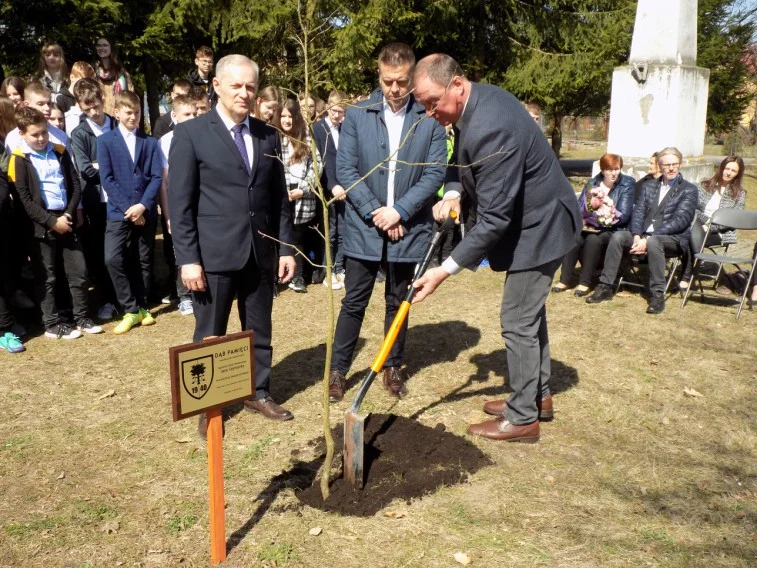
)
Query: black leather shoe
[
  {"x": 581, "y": 293},
  {"x": 557, "y": 289},
  {"x": 656, "y": 304},
  {"x": 602, "y": 293},
  {"x": 268, "y": 408}
]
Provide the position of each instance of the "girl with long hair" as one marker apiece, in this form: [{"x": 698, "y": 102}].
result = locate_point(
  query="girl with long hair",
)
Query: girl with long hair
[
  {"x": 111, "y": 75},
  {"x": 297, "y": 158},
  {"x": 723, "y": 190},
  {"x": 54, "y": 74},
  {"x": 267, "y": 104},
  {"x": 13, "y": 88}
]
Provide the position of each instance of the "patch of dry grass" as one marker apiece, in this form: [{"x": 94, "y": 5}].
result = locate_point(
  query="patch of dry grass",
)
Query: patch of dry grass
[{"x": 632, "y": 472}]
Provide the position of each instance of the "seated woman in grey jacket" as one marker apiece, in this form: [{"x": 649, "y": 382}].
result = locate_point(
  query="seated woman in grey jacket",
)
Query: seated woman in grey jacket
[{"x": 722, "y": 191}]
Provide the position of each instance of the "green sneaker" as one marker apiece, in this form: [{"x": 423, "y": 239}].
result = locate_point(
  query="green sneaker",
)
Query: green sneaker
[
  {"x": 147, "y": 318},
  {"x": 128, "y": 321},
  {"x": 11, "y": 343}
]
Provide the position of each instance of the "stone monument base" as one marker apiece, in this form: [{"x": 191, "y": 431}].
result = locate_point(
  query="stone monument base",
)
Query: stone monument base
[{"x": 667, "y": 108}]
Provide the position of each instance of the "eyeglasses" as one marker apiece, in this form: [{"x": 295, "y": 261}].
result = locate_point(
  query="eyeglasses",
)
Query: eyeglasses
[
  {"x": 671, "y": 166},
  {"x": 435, "y": 104}
]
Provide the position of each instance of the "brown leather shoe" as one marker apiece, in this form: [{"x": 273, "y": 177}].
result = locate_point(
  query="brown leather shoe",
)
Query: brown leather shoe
[
  {"x": 394, "y": 381},
  {"x": 501, "y": 429},
  {"x": 546, "y": 410},
  {"x": 337, "y": 385},
  {"x": 268, "y": 408}
]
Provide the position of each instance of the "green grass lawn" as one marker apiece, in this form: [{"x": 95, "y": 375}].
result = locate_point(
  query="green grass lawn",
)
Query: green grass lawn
[{"x": 633, "y": 471}]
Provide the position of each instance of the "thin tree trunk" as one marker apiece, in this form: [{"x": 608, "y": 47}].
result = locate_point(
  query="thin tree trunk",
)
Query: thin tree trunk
[
  {"x": 556, "y": 133},
  {"x": 152, "y": 86}
]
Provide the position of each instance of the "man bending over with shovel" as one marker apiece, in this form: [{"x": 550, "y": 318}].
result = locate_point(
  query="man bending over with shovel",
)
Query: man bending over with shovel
[{"x": 527, "y": 220}]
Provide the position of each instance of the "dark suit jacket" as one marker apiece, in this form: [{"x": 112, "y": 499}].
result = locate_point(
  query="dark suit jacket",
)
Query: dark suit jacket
[
  {"x": 163, "y": 126},
  {"x": 678, "y": 208},
  {"x": 128, "y": 182},
  {"x": 324, "y": 141},
  {"x": 218, "y": 211},
  {"x": 84, "y": 146},
  {"x": 527, "y": 212}
]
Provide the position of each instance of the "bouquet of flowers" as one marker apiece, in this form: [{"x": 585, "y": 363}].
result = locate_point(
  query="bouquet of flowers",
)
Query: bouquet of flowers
[{"x": 602, "y": 208}]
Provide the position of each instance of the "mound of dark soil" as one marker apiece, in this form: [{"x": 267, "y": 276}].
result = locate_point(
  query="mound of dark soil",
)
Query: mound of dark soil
[{"x": 403, "y": 459}]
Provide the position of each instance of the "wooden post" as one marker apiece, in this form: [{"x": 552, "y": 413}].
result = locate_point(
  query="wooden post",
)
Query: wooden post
[{"x": 215, "y": 487}]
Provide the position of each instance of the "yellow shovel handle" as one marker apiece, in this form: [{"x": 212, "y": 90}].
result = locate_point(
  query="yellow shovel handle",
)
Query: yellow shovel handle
[{"x": 391, "y": 336}]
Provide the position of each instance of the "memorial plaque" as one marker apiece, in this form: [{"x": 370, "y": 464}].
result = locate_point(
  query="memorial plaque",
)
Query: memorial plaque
[{"x": 212, "y": 374}]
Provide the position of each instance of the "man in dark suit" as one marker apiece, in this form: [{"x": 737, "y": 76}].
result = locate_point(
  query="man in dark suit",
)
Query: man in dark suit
[
  {"x": 227, "y": 194},
  {"x": 660, "y": 228},
  {"x": 527, "y": 219}
]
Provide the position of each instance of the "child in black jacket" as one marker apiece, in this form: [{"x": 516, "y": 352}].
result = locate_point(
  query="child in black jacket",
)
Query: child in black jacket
[{"x": 49, "y": 190}]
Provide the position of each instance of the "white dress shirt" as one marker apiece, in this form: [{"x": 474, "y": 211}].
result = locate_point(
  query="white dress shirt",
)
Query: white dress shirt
[
  {"x": 713, "y": 204},
  {"x": 131, "y": 141},
  {"x": 394, "y": 122},
  {"x": 98, "y": 130},
  {"x": 165, "y": 147},
  {"x": 334, "y": 129},
  {"x": 229, "y": 124},
  {"x": 72, "y": 117}
]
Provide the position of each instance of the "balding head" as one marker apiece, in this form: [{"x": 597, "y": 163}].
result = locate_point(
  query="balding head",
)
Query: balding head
[
  {"x": 441, "y": 87},
  {"x": 439, "y": 68}
]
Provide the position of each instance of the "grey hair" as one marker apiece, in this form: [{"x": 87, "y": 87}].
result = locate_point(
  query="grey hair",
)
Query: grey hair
[
  {"x": 669, "y": 151},
  {"x": 238, "y": 60},
  {"x": 440, "y": 68}
]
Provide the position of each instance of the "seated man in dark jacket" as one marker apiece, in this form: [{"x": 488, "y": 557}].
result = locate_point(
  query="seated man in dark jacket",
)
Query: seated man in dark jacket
[{"x": 660, "y": 228}]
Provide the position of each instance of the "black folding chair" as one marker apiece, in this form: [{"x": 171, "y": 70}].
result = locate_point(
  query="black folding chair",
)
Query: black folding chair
[
  {"x": 630, "y": 273},
  {"x": 737, "y": 219}
]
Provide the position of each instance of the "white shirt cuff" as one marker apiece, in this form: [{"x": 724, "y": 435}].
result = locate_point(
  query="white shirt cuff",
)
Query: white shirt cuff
[
  {"x": 451, "y": 266},
  {"x": 451, "y": 194}
]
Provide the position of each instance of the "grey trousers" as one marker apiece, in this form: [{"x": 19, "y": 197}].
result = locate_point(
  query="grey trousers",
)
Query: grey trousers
[
  {"x": 659, "y": 247},
  {"x": 524, "y": 328}
]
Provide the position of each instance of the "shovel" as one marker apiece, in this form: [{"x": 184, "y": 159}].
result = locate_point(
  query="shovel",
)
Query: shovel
[{"x": 353, "y": 423}]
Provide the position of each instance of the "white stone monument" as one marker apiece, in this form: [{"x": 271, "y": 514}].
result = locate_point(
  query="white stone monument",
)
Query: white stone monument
[{"x": 660, "y": 98}]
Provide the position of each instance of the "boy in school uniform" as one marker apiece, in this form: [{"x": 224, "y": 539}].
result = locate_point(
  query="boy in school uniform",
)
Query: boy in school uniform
[
  {"x": 93, "y": 123},
  {"x": 184, "y": 109},
  {"x": 130, "y": 174},
  {"x": 37, "y": 96},
  {"x": 48, "y": 188}
]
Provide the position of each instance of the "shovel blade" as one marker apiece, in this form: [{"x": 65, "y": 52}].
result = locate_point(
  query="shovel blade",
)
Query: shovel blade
[{"x": 354, "y": 427}]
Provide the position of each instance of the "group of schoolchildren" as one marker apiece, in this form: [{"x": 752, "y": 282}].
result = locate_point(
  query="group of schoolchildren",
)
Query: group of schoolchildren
[
  {"x": 84, "y": 191},
  {"x": 81, "y": 207}
]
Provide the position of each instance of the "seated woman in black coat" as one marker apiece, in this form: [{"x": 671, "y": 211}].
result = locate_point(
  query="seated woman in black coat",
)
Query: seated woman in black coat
[
  {"x": 722, "y": 191},
  {"x": 606, "y": 205}
]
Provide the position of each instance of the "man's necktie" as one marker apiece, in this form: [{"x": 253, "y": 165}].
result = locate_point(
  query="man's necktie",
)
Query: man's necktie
[{"x": 239, "y": 141}]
